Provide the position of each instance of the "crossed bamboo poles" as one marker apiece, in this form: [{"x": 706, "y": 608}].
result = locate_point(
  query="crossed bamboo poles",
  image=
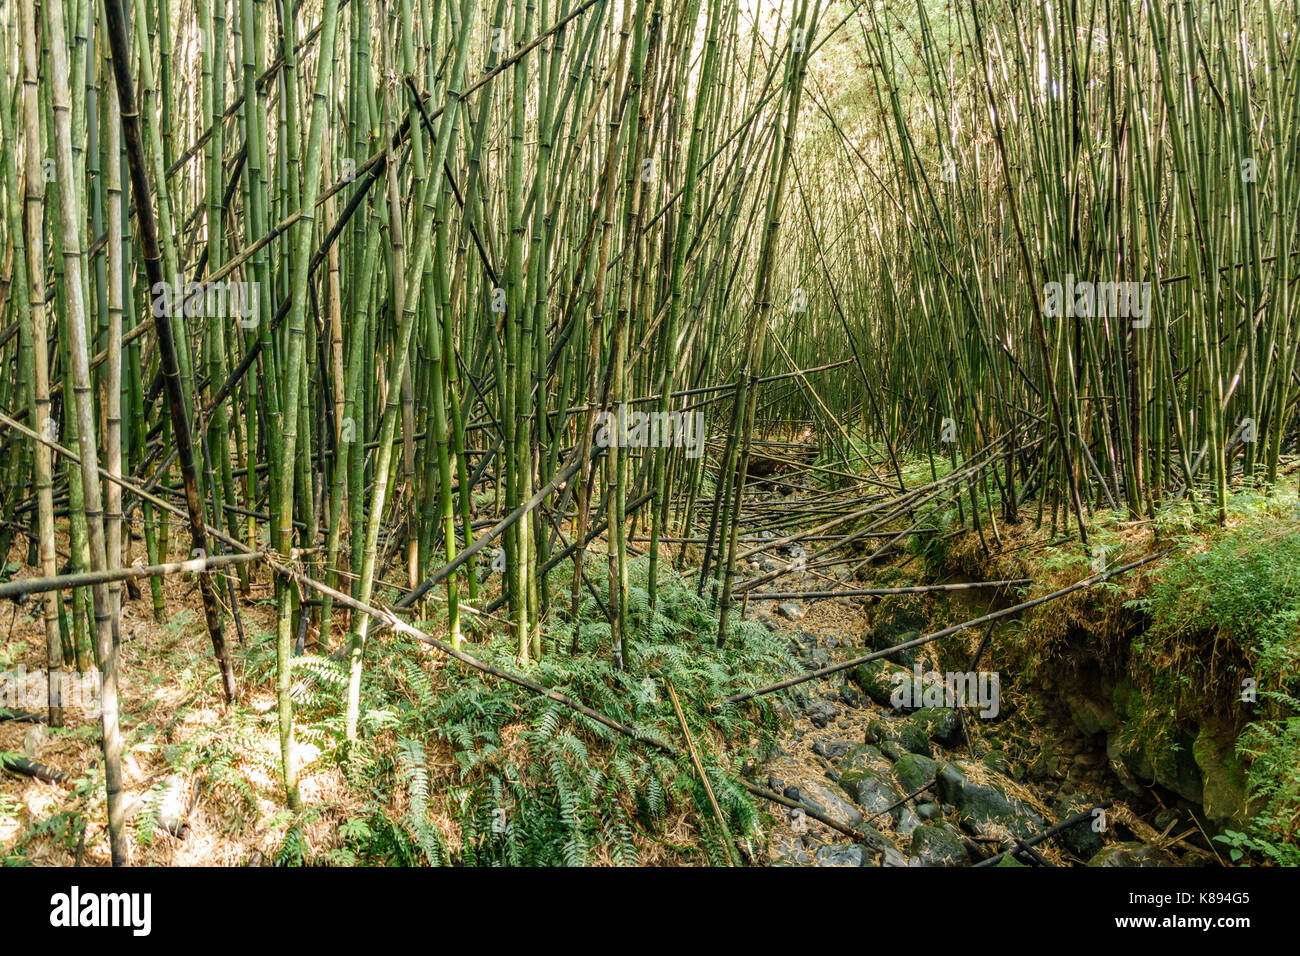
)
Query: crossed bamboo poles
[{"x": 387, "y": 617}]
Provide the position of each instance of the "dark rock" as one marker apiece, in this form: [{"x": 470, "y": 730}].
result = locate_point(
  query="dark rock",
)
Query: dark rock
[
  {"x": 1081, "y": 840},
  {"x": 821, "y": 712},
  {"x": 1131, "y": 854},
  {"x": 913, "y": 771},
  {"x": 850, "y": 695},
  {"x": 879, "y": 678},
  {"x": 937, "y": 844},
  {"x": 872, "y": 790},
  {"x": 831, "y": 749},
  {"x": 941, "y": 724},
  {"x": 981, "y": 805},
  {"x": 1164, "y": 818},
  {"x": 902, "y": 732},
  {"x": 1164, "y": 757},
  {"x": 837, "y": 855},
  {"x": 814, "y": 659}
]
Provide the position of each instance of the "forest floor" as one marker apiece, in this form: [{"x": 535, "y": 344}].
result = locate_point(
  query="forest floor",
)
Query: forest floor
[{"x": 204, "y": 786}]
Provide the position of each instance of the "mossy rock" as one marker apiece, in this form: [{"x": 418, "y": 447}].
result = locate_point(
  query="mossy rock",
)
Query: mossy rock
[
  {"x": 937, "y": 844},
  {"x": 941, "y": 724},
  {"x": 1223, "y": 788},
  {"x": 906, "y": 657},
  {"x": 914, "y": 771},
  {"x": 1157, "y": 754},
  {"x": 980, "y": 805},
  {"x": 903, "y": 733},
  {"x": 1130, "y": 854},
  {"x": 878, "y": 679},
  {"x": 1081, "y": 840},
  {"x": 863, "y": 757},
  {"x": 873, "y": 790}
]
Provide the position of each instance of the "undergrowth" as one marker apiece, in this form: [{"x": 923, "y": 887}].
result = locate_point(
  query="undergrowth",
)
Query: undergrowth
[
  {"x": 1225, "y": 638},
  {"x": 486, "y": 773}
]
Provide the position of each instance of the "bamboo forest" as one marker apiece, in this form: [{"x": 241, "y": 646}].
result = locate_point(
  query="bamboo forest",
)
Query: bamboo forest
[{"x": 649, "y": 433}]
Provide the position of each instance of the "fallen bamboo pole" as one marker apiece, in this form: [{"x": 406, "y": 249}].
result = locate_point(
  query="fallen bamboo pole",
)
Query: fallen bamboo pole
[
  {"x": 947, "y": 631},
  {"x": 62, "y": 582},
  {"x": 856, "y": 835},
  {"x": 699, "y": 770},
  {"x": 390, "y": 619},
  {"x": 1047, "y": 834},
  {"x": 30, "y": 768},
  {"x": 885, "y": 592}
]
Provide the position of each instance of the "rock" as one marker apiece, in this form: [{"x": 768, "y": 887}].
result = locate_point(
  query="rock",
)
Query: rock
[
  {"x": 940, "y": 724},
  {"x": 1164, "y": 818},
  {"x": 929, "y": 811},
  {"x": 821, "y": 712},
  {"x": 1093, "y": 717},
  {"x": 937, "y": 844},
  {"x": 879, "y": 678},
  {"x": 788, "y": 853},
  {"x": 792, "y": 793},
  {"x": 897, "y": 624},
  {"x": 1131, "y": 854},
  {"x": 894, "y": 857},
  {"x": 821, "y": 797},
  {"x": 1048, "y": 762},
  {"x": 908, "y": 821},
  {"x": 864, "y": 757},
  {"x": 905, "y": 658},
  {"x": 791, "y": 610},
  {"x": 1175, "y": 766},
  {"x": 906, "y": 734},
  {"x": 1223, "y": 779},
  {"x": 981, "y": 805},
  {"x": 997, "y": 761},
  {"x": 831, "y": 749},
  {"x": 1081, "y": 840},
  {"x": 913, "y": 771},
  {"x": 850, "y": 695},
  {"x": 837, "y": 855},
  {"x": 872, "y": 790},
  {"x": 1165, "y": 758},
  {"x": 34, "y": 741},
  {"x": 776, "y": 784},
  {"x": 892, "y": 750},
  {"x": 814, "y": 659}
]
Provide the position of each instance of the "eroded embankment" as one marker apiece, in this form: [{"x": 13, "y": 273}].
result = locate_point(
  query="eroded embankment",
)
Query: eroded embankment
[{"x": 1083, "y": 701}]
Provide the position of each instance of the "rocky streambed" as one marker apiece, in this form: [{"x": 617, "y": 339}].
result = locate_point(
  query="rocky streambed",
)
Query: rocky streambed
[{"x": 932, "y": 785}]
